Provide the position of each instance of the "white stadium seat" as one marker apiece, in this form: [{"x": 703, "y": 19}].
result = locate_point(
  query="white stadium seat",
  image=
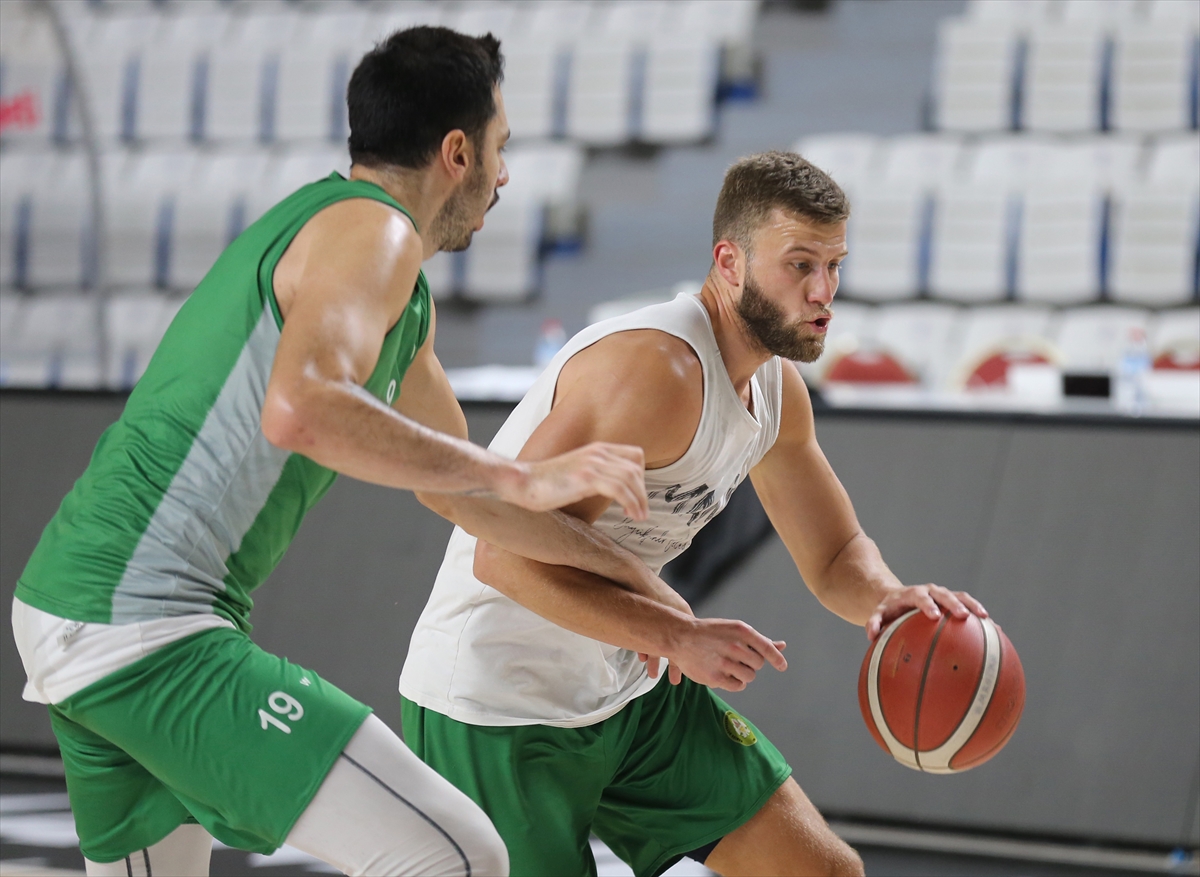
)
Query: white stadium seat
[
  {"x": 243, "y": 77},
  {"x": 1093, "y": 339},
  {"x": 108, "y": 49},
  {"x": 139, "y": 192},
  {"x": 32, "y": 75},
  {"x": 969, "y": 242},
  {"x": 1112, "y": 13},
  {"x": 54, "y": 343},
  {"x": 884, "y": 238},
  {"x": 1153, "y": 244},
  {"x": 1150, "y": 87},
  {"x": 1059, "y": 242},
  {"x": 135, "y": 323},
  {"x": 1176, "y": 161},
  {"x": 680, "y": 90},
  {"x": 560, "y": 24},
  {"x": 1018, "y": 12},
  {"x": 547, "y": 171},
  {"x": 1175, "y": 339},
  {"x": 531, "y": 88},
  {"x": 974, "y": 75},
  {"x": 849, "y": 158},
  {"x": 1184, "y": 13},
  {"x": 600, "y": 92},
  {"x": 850, "y": 330},
  {"x": 1063, "y": 71},
  {"x": 60, "y": 245},
  {"x": 920, "y": 159},
  {"x": 1156, "y": 226},
  {"x": 314, "y": 70},
  {"x": 288, "y": 172},
  {"x": 921, "y": 336},
  {"x": 209, "y": 211},
  {"x": 993, "y": 338},
  {"x": 171, "y": 78},
  {"x": 501, "y": 19},
  {"x": 19, "y": 173},
  {"x": 502, "y": 263}
]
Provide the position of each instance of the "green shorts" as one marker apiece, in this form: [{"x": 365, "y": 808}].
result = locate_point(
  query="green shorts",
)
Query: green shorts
[
  {"x": 674, "y": 770},
  {"x": 209, "y": 729}
]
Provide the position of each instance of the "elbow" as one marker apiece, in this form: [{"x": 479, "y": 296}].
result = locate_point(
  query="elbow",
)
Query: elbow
[
  {"x": 286, "y": 422},
  {"x": 487, "y": 562},
  {"x": 282, "y": 421}
]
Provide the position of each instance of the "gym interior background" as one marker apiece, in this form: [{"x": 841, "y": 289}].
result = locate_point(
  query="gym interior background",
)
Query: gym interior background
[{"x": 1010, "y": 392}]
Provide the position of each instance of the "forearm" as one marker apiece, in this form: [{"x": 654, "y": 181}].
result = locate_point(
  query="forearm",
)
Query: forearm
[
  {"x": 553, "y": 538},
  {"x": 343, "y": 427},
  {"x": 585, "y": 603},
  {"x": 855, "y": 581}
]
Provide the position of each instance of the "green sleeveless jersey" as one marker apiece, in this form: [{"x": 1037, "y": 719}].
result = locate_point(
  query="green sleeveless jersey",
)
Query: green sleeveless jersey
[{"x": 185, "y": 507}]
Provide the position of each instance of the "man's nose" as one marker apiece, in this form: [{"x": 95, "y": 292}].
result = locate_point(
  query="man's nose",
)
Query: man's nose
[
  {"x": 502, "y": 180},
  {"x": 821, "y": 288}
]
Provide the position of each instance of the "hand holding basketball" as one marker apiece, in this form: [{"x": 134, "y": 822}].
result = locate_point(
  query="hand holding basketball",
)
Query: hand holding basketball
[
  {"x": 930, "y": 599},
  {"x": 943, "y": 694}
]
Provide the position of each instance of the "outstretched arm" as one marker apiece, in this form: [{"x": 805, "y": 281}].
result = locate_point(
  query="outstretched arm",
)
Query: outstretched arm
[
  {"x": 551, "y": 537},
  {"x": 343, "y": 282},
  {"x": 642, "y": 388},
  {"x": 811, "y": 512}
]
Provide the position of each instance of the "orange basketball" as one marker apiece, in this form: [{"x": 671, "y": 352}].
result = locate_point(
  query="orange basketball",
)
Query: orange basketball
[{"x": 941, "y": 695}]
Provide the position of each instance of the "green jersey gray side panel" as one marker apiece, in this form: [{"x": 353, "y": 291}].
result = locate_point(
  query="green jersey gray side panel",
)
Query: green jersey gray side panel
[{"x": 185, "y": 507}]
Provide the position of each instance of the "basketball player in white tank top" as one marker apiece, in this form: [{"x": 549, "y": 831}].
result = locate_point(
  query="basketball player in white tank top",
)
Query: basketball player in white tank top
[{"x": 514, "y": 663}]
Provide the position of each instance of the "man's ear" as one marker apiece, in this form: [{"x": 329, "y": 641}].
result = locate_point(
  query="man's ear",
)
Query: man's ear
[
  {"x": 730, "y": 262},
  {"x": 456, "y": 154}
]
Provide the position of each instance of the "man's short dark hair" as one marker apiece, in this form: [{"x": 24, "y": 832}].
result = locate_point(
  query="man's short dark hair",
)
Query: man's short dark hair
[
  {"x": 417, "y": 86},
  {"x": 757, "y": 184}
]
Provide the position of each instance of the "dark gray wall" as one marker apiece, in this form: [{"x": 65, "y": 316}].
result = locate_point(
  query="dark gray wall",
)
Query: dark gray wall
[{"x": 1083, "y": 542}]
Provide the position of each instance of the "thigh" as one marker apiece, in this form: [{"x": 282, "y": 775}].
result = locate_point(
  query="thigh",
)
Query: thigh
[
  {"x": 185, "y": 852},
  {"x": 694, "y": 771},
  {"x": 242, "y": 739},
  {"x": 539, "y": 785},
  {"x": 381, "y": 810},
  {"x": 787, "y": 836},
  {"x": 118, "y": 805}
]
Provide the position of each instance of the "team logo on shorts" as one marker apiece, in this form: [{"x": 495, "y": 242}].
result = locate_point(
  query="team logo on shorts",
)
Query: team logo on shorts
[{"x": 737, "y": 730}]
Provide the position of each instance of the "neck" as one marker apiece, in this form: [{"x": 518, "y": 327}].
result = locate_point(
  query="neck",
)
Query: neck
[
  {"x": 420, "y": 192},
  {"x": 742, "y": 355}
]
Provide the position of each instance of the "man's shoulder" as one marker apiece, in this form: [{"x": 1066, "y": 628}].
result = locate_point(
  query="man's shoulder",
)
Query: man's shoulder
[{"x": 651, "y": 360}]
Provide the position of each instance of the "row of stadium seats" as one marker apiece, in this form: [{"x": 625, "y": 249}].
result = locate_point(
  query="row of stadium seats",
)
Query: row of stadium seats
[
  {"x": 73, "y": 341},
  {"x": 950, "y": 348},
  {"x": 599, "y": 73},
  {"x": 1036, "y": 218},
  {"x": 1069, "y": 65},
  {"x": 169, "y": 214}
]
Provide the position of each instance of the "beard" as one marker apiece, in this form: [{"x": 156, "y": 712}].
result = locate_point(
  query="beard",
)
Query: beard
[
  {"x": 454, "y": 225},
  {"x": 766, "y": 326}
]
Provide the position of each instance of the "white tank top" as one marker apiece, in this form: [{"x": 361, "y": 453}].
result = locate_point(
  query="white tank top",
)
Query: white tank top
[{"x": 481, "y": 658}]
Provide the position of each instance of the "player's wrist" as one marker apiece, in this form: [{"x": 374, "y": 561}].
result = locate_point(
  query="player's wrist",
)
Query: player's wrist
[
  {"x": 509, "y": 480},
  {"x": 674, "y": 632}
]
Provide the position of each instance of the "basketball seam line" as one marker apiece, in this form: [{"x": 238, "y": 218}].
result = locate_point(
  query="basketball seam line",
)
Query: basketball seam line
[
  {"x": 974, "y": 694},
  {"x": 999, "y": 670},
  {"x": 415, "y": 809},
  {"x": 921, "y": 692}
]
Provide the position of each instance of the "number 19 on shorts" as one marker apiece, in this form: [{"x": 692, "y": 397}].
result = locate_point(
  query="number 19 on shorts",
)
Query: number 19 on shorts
[{"x": 283, "y": 705}]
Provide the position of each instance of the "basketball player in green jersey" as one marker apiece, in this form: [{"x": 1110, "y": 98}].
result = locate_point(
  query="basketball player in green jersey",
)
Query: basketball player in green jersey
[
  {"x": 307, "y": 350},
  {"x": 523, "y": 683}
]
